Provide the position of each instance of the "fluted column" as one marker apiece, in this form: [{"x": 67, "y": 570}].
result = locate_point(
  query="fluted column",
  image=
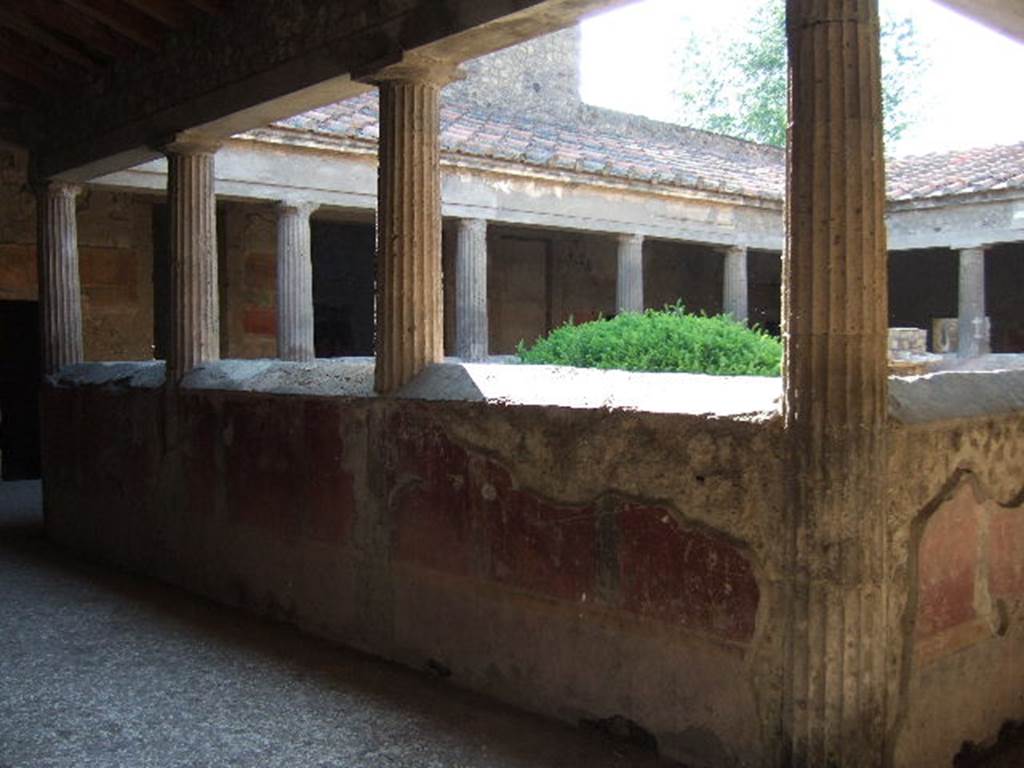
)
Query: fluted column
[
  {"x": 836, "y": 703},
  {"x": 734, "y": 283},
  {"x": 60, "y": 294},
  {"x": 629, "y": 286},
  {"x": 972, "y": 323},
  {"x": 294, "y": 282},
  {"x": 195, "y": 322},
  {"x": 409, "y": 290},
  {"x": 471, "y": 332}
]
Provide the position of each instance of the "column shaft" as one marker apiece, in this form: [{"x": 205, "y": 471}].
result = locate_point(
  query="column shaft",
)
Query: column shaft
[
  {"x": 471, "y": 330},
  {"x": 972, "y": 323},
  {"x": 835, "y": 698},
  {"x": 60, "y": 294},
  {"x": 195, "y": 322},
  {"x": 409, "y": 290},
  {"x": 734, "y": 284},
  {"x": 294, "y": 283},
  {"x": 629, "y": 287}
]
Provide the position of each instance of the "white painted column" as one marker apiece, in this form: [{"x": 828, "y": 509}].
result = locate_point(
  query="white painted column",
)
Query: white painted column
[
  {"x": 471, "y": 331},
  {"x": 294, "y": 282},
  {"x": 973, "y": 325},
  {"x": 60, "y": 294},
  {"x": 195, "y": 321},
  {"x": 629, "y": 287},
  {"x": 734, "y": 283}
]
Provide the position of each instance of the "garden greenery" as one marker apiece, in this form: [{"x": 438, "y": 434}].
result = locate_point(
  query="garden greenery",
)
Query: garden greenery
[{"x": 660, "y": 340}]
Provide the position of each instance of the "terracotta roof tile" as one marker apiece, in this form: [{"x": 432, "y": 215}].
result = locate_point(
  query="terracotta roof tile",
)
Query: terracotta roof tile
[{"x": 608, "y": 143}]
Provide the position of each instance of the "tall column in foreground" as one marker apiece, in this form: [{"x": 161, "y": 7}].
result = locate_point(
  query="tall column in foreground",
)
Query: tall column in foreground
[
  {"x": 294, "y": 282},
  {"x": 972, "y": 324},
  {"x": 410, "y": 330},
  {"x": 195, "y": 322},
  {"x": 60, "y": 294},
  {"x": 629, "y": 287},
  {"x": 471, "y": 332},
  {"x": 734, "y": 283},
  {"x": 835, "y": 702}
]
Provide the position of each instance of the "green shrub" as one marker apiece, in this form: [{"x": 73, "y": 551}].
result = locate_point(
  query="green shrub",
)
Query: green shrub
[{"x": 666, "y": 340}]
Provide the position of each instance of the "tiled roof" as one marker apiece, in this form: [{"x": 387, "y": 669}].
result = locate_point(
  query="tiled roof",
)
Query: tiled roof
[
  {"x": 612, "y": 144},
  {"x": 964, "y": 172},
  {"x": 601, "y": 142}
]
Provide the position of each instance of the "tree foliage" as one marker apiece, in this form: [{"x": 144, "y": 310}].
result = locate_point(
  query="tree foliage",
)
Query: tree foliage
[{"x": 738, "y": 88}]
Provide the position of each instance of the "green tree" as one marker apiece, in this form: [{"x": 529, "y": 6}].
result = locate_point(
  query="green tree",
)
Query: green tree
[{"x": 739, "y": 87}]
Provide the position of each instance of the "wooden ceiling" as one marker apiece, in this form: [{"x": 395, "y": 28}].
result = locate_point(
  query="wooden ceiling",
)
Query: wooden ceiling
[{"x": 49, "y": 47}]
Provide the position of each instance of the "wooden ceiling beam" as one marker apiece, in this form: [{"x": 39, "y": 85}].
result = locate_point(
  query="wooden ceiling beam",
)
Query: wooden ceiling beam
[
  {"x": 13, "y": 20},
  {"x": 123, "y": 19},
  {"x": 171, "y": 13},
  {"x": 56, "y": 69},
  {"x": 27, "y": 73},
  {"x": 209, "y": 7},
  {"x": 71, "y": 23}
]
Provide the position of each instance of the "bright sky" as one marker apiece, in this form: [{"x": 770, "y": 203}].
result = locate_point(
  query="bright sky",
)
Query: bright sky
[{"x": 969, "y": 97}]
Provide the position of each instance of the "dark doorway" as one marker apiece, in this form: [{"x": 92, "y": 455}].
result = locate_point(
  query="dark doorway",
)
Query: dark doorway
[
  {"x": 683, "y": 272},
  {"x": 518, "y": 290},
  {"x": 343, "y": 284},
  {"x": 1004, "y": 277},
  {"x": 764, "y": 278},
  {"x": 922, "y": 288},
  {"x": 19, "y": 390}
]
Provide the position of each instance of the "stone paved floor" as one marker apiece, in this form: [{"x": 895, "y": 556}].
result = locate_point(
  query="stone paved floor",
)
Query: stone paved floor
[{"x": 101, "y": 669}]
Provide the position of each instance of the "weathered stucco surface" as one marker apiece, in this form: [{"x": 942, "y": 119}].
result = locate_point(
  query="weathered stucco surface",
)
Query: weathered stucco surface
[
  {"x": 582, "y": 562},
  {"x": 957, "y": 527}
]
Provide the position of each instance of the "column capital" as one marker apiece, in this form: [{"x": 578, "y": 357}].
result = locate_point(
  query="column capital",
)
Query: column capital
[
  {"x": 57, "y": 188},
  {"x": 304, "y": 208},
  {"x": 473, "y": 225},
  {"x": 735, "y": 249},
  {"x": 415, "y": 68},
  {"x": 631, "y": 238},
  {"x": 189, "y": 143}
]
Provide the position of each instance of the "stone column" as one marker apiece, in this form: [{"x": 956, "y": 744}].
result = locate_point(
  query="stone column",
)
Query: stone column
[
  {"x": 410, "y": 330},
  {"x": 629, "y": 287},
  {"x": 471, "y": 332},
  {"x": 195, "y": 322},
  {"x": 60, "y": 293},
  {"x": 971, "y": 320},
  {"x": 836, "y": 703},
  {"x": 294, "y": 282},
  {"x": 734, "y": 283}
]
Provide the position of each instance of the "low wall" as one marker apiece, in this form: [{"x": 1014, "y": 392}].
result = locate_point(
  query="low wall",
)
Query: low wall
[{"x": 583, "y": 563}]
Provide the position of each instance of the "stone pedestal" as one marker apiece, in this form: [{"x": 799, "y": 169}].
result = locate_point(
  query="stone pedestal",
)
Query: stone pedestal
[
  {"x": 629, "y": 287},
  {"x": 409, "y": 304},
  {"x": 60, "y": 294},
  {"x": 195, "y": 322},
  {"x": 973, "y": 332},
  {"x": 734, "y": 284},
  {"x": 837, "y": 680},
  {"x": 471, "y": 332},
  {"x": 294, "y": 283}
]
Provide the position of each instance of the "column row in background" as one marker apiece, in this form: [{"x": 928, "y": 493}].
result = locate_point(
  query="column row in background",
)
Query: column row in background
[{"x": 536, "y": 280}]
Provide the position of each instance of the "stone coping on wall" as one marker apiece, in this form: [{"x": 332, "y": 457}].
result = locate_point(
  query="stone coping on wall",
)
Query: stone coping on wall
[
  {"x": 750, "y": 397},
  {"x": 913, "y": 399},
  {"x": 956, "y": 395}
]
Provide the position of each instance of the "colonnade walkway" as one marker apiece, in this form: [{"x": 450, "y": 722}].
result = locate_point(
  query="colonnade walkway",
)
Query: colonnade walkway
[{"x": 98, "y": 668}]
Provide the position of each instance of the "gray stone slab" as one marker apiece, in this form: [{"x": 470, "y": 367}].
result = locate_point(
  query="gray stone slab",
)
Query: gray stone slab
[{"x": 955, "y": 395}]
